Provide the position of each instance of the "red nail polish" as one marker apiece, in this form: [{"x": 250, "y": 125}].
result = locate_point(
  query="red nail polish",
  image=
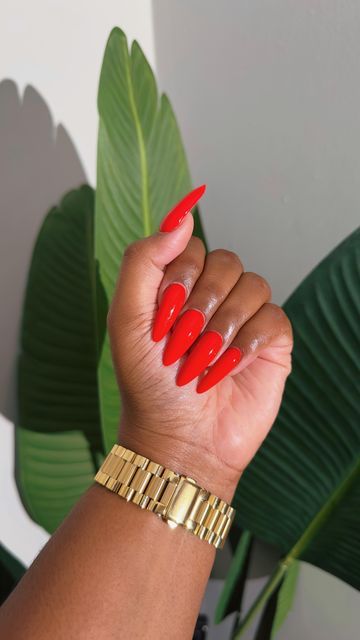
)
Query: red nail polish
[
  {"x": 200, "y": 357},
  {"x": 185, "y": 333},
  {"x": 226, "y": 363},
  {"x": 178, "y": 213},
  {"x": 171, "y": 304}
]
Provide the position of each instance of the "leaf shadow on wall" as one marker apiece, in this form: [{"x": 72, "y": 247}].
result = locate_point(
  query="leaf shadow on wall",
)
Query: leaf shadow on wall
[{"x": 38, "y": 164}]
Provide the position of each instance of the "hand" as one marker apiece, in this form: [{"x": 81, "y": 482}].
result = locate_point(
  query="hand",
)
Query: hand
[{"x": 208, "y": 432}]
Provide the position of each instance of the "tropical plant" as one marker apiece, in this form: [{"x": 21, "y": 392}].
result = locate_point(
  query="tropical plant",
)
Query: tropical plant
[
  {"x": 67, "y": 395},
  {"x": 302, "y": 491},
  {"x": 299, "y": 493}
]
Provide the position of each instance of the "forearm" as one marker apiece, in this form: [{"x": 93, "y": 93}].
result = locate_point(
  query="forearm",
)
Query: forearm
[{"x": 111, "y": 570}]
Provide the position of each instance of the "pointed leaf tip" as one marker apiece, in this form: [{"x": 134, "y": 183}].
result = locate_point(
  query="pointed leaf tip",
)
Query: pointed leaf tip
[{"x": 142, "y": 171}]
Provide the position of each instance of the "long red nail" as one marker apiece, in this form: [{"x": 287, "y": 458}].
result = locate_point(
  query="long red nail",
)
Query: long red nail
[
  {"x": 171, "y": 304},
  {"x": 203, "y": 353},
  {"x": 178, "y": 213},
  {"x": 185, "y": 333},
  {"x": 226, "y": 363}
]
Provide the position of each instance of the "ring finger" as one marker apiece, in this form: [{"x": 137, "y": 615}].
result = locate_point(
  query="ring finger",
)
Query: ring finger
[{"x": 269, "y": 327}]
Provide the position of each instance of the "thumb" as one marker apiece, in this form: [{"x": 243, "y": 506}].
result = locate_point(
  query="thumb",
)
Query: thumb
[{"x": 145, "y": 260}]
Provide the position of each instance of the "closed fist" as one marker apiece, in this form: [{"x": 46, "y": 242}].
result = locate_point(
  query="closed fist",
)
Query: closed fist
[{"x": 200, "y": 352}]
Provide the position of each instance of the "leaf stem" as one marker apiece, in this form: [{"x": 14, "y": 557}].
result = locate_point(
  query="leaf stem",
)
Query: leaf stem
[
  {"x": 262, "y": 598},
  {"x": 324, "y": 513}
]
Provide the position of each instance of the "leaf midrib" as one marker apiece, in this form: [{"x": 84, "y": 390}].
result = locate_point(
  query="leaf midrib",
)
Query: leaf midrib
[
  {"x": 142, "y": 149},
  {"x": 324, "y": 513}
]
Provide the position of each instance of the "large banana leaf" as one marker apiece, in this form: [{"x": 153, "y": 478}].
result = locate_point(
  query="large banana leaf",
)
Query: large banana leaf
[
  {"x": 58, "y": 435},
  {"x": 142, "y": 171},
  {"x": 302, "y": 491}
]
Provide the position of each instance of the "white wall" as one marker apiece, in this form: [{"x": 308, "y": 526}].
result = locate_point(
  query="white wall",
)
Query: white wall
[
  {"x": 57, "y": 46},
  {"x": 267, "y": 94},
  {"x": 268, "y": 99}
]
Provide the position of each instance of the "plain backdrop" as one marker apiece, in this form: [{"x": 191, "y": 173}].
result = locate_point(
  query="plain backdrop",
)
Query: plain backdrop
[{"x": 267, "y": 96}]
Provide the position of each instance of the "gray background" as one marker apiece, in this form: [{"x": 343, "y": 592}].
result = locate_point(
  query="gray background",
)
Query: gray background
[{"x": 267, "y": 96}]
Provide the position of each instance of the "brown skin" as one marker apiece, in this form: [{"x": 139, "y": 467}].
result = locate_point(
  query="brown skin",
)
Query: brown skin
[
  {"x": 223, "y": 427},
  {"x": 115, "y": 571}
]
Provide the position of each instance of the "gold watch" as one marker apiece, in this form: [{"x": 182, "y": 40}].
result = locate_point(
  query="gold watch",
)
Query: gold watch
[{"x": 175, "y": 498}]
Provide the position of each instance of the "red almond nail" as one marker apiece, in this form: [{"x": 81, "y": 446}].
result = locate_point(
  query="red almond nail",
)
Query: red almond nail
[
  {"x": 175, "y": 217},
  {"x": 226, "y": 363},
  {"x": 200, "y": 357},
  {"x": 185, "y": 333},
  {"x": 171, "y": 304}
]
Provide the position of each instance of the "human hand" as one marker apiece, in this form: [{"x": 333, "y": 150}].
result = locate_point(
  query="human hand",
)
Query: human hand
[{"x": 208, "y": 432}]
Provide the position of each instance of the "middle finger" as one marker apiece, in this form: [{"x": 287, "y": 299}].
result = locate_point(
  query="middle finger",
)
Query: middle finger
[{"x": 221, "y": 272}]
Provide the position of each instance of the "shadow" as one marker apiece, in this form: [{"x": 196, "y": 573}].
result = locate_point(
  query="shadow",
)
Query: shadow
[{"x": 38, "y": 164}]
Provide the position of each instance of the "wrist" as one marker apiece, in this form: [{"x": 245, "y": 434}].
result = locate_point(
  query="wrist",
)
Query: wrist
[{"x": 183, "y": 458}]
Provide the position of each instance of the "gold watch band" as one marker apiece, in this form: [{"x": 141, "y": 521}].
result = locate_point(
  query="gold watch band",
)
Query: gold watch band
[{"x": 177, "y": 499}]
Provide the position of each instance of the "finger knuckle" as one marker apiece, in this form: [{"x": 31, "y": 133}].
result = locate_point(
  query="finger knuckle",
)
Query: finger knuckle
[
  {"x": 133, "y": 250},
  {"x": 191, "y": 269},
  {"x": 258, "y": 282},
  {"x": 213, "y": 289},
  {"x": 279, "y": 316},
  {"x": 197, "y": 245},
  {"x": 227, "y": 258},
  {"x": 191, "y": 261}
]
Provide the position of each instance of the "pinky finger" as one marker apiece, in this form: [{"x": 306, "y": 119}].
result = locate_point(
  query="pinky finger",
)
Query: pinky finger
[{"x": 269, "y": 327}]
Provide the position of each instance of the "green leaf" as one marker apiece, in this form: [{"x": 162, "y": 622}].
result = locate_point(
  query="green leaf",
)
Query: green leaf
[
  {"x": 141, "y": 173},
  {"x": 58, "y": 438},
  {"x": 11, "y": 570},
  {"x": 263, "y": 631},
  {"x": 232, "y": 593},
  {"x": 302, "y": 490},
  {"x": 276, "y": 598},
  {"x": 268, "y": 593},
  {"x": 286, "y": 597}
]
